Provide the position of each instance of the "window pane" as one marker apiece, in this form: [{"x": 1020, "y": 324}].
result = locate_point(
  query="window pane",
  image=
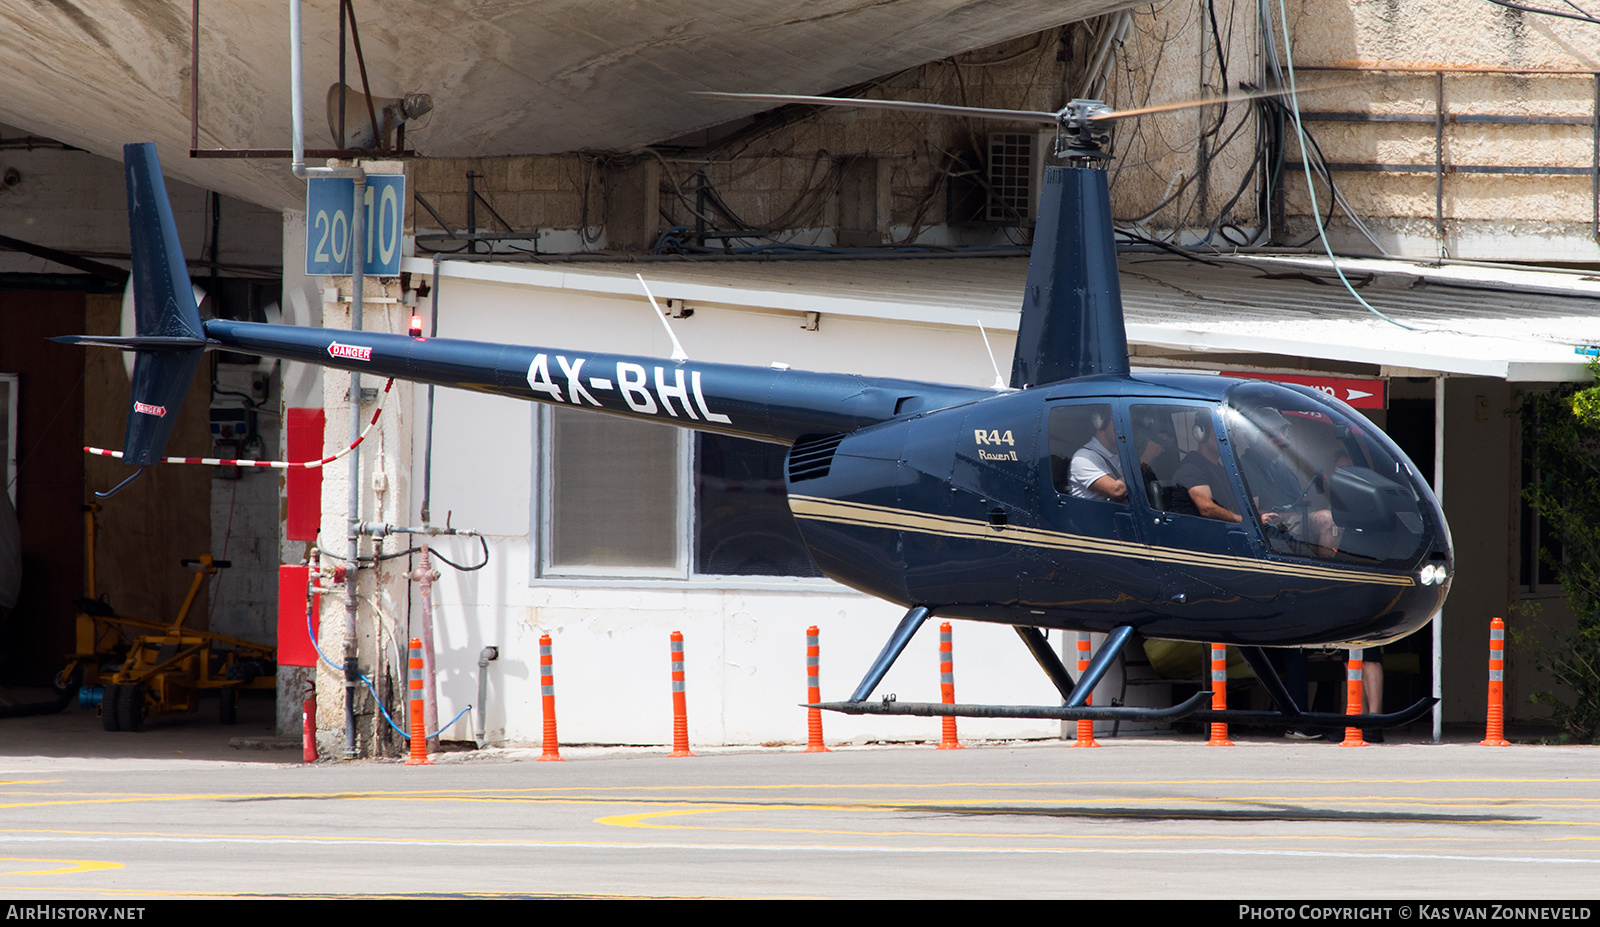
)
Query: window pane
[
  {"x": 613, "y": 493},
  {"x": 742, "y": 521},
  {"x": 1167, "y": 437},
  {"x": 1085, "y": 462}
]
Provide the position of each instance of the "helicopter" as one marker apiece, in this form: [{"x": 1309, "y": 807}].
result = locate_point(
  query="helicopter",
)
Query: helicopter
[{"x": 1080, "y": 496}]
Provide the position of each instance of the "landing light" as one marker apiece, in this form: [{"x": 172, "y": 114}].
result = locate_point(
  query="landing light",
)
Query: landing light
[{"x": 1433, "y": 574}]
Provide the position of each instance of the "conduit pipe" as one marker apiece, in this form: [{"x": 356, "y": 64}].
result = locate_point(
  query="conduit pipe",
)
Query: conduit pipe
[
  {"x": 425, "y": 576},
  {"x": 358, "y": 263},
  {"x": 427, "y": 447},
  {"x": 484, "y": 656}
]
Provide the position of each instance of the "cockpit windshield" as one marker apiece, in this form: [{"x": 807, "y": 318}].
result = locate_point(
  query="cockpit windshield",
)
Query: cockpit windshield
[{"x": 1321, "y": 483}]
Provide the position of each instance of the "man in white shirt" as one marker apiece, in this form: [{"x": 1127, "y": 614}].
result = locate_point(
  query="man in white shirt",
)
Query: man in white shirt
[{"x": 1096, "y": 471}]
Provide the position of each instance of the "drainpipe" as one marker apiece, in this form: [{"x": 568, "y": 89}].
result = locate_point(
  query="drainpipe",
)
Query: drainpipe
[
  {"x": 427, "y": 451},
  {"x": 484, "y": 656},
  {"x": 358, "y": 261}
]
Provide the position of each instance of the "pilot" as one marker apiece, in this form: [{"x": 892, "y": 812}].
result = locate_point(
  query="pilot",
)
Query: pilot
[
  {"x": 1276, "y": 488},
  {"x": 1202, "y": 481},
  {"x": 1096, "y": 471}
]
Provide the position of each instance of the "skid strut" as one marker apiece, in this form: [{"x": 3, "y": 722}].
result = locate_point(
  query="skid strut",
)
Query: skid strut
[
  {"x": 896, "y": 644},
  {"x": 1098, "y": 666},
  {"x": 1039, "y": 646}
]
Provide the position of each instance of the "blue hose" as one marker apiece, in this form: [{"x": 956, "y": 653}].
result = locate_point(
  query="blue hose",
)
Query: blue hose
[{"x": 370, "y": 687}]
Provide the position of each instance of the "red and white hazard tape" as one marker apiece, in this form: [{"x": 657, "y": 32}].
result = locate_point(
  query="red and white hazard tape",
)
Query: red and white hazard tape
[{"x": 272, "y": 464}]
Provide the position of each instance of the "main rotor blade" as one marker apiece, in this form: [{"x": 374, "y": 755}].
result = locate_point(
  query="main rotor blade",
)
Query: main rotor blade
[
  {"x": 1018, "y": 115},
  {"x": 1210, "y": 101}
]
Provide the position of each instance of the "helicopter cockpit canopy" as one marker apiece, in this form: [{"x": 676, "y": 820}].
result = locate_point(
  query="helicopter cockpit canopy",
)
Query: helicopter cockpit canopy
[{"x": 1323, "y": 483}]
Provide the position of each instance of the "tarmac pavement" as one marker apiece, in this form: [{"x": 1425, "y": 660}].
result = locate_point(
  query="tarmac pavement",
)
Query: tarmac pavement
[{"x": 175, "y": 811}]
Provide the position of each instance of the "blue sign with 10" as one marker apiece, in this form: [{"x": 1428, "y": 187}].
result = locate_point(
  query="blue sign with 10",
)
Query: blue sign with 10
[{"x": 329, "y": 201}]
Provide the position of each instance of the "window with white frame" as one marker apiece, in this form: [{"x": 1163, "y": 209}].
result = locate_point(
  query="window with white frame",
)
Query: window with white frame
[{"x": 629, "y": 499}]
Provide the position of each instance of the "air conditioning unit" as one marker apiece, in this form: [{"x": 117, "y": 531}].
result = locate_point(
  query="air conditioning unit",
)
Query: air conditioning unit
[{"x": 1016, "y": 174}]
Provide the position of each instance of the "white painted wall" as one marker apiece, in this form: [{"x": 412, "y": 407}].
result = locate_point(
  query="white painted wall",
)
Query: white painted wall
[{"x": 744, "y": 641}]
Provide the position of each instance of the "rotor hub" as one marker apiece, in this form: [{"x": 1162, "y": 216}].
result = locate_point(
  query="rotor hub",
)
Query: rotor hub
[{"x": 1083, "y": 130}]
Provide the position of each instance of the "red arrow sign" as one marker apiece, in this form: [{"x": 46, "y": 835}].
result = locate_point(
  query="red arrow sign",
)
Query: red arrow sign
[{"x": 1360, "y": 392}]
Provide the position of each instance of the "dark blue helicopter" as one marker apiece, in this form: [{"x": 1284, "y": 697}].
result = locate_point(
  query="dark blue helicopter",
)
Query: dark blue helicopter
[{"x": 1083, "y": 497}]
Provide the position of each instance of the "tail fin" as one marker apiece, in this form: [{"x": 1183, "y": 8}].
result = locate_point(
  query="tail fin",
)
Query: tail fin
[
  {"x": 1072, "y": 314},
  {"x": 170, "y": 338},
  {"x": 163, "y": 306}
]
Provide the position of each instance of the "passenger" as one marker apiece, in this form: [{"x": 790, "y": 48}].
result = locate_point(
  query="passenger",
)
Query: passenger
[
  {"x": 1202, "y": 481},
  {"x": 1096, "y": 471},
  {"x": 1158, "y": 455}
]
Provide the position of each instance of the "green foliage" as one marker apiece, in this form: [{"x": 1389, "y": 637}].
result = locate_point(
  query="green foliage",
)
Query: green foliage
[{"x": 1561, "y": 437}]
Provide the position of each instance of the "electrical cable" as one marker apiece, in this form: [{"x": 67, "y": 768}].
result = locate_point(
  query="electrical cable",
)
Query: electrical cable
[
  {"x": 434, "y": 553},
  {"x": 1294, "y": 101},
  {"x": 1580, "y": 16}
]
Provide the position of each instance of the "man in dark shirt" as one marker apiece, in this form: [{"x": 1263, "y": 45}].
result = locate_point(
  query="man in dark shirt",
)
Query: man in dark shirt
[{"x": 1202, "y": 481}]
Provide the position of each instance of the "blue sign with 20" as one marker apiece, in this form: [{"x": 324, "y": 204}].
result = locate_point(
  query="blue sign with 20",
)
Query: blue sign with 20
[{"x": 329, "y": 205}]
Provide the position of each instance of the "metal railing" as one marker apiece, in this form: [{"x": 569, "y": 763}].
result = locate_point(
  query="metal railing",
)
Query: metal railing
[{"x": 1441, "y": 117}]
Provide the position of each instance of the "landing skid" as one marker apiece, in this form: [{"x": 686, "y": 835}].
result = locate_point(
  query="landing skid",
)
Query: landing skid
[
  {"x": 1075, "y": 694},
  {"x": 1192, "y": 710},
  {"x": 1039, "y": 712},
  {"x": 1318, "y": 718}
]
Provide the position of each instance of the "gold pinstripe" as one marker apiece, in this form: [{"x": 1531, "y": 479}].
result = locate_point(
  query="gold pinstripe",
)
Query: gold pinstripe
[{"x": 878, "y": 516}]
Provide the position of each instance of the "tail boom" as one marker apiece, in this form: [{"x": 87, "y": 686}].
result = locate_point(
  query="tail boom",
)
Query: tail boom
[{"x": 762, "y": 403}]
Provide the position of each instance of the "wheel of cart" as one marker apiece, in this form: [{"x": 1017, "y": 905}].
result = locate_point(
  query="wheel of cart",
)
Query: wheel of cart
[{"x": 168, "y": 667}]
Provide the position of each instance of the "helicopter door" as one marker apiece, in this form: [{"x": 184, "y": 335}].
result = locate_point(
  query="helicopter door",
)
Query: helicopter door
[
  {"x": 1090, "y": 559},
  {"x": 962, "y": 554},
  {"x": 1187, "y": 498}
]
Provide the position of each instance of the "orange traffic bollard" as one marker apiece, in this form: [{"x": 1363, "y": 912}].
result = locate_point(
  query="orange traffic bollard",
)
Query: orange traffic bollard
[
  {"x": 419, "y": 731},
  {"x": 680, "y": 710},
  {"x": 1352, "y": 706},
  {"x": 547, "y": 690},
  {"x": 947, "y": 688},
  {"x": 1219, "y": 694},
  {"x": 814, "y": 742},
  {"x": 1494, "y": 734},
  {"x": 1085, "y": 726}
]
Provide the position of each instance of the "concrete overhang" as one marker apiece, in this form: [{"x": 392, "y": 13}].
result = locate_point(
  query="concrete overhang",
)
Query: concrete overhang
[
  {"x": 1515, "y": 325},
  {"x": 506, "y": 78}
]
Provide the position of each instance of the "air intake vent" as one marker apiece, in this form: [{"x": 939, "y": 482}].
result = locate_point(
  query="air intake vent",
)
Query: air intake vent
[
  {"x": 1011, "y": 170},
  {"x": 812, "y": 456}
]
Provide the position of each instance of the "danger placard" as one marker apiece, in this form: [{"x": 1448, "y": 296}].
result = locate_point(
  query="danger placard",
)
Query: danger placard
[{"x": 1360, "y": 392}]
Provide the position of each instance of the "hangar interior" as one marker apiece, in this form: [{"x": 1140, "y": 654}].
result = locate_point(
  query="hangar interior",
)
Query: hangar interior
[{"x": 558, "y": 160}]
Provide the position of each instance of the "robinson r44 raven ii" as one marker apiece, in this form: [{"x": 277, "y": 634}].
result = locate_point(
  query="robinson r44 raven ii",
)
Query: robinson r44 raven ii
[{"x": 1083, "y": 497}]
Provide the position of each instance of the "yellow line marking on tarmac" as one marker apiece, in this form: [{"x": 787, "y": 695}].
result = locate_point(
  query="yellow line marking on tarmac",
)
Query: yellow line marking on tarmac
[
  {"x": 807, "y": 786},
  {"x": 68, "y": 865}
]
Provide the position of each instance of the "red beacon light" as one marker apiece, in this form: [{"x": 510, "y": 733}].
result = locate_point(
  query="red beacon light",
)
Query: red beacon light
[{"x": 416, "y": 326}]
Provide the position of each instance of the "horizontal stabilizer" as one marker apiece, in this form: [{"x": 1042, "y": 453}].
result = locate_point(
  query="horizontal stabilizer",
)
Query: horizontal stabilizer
[{"x": 136, "y": 343}]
